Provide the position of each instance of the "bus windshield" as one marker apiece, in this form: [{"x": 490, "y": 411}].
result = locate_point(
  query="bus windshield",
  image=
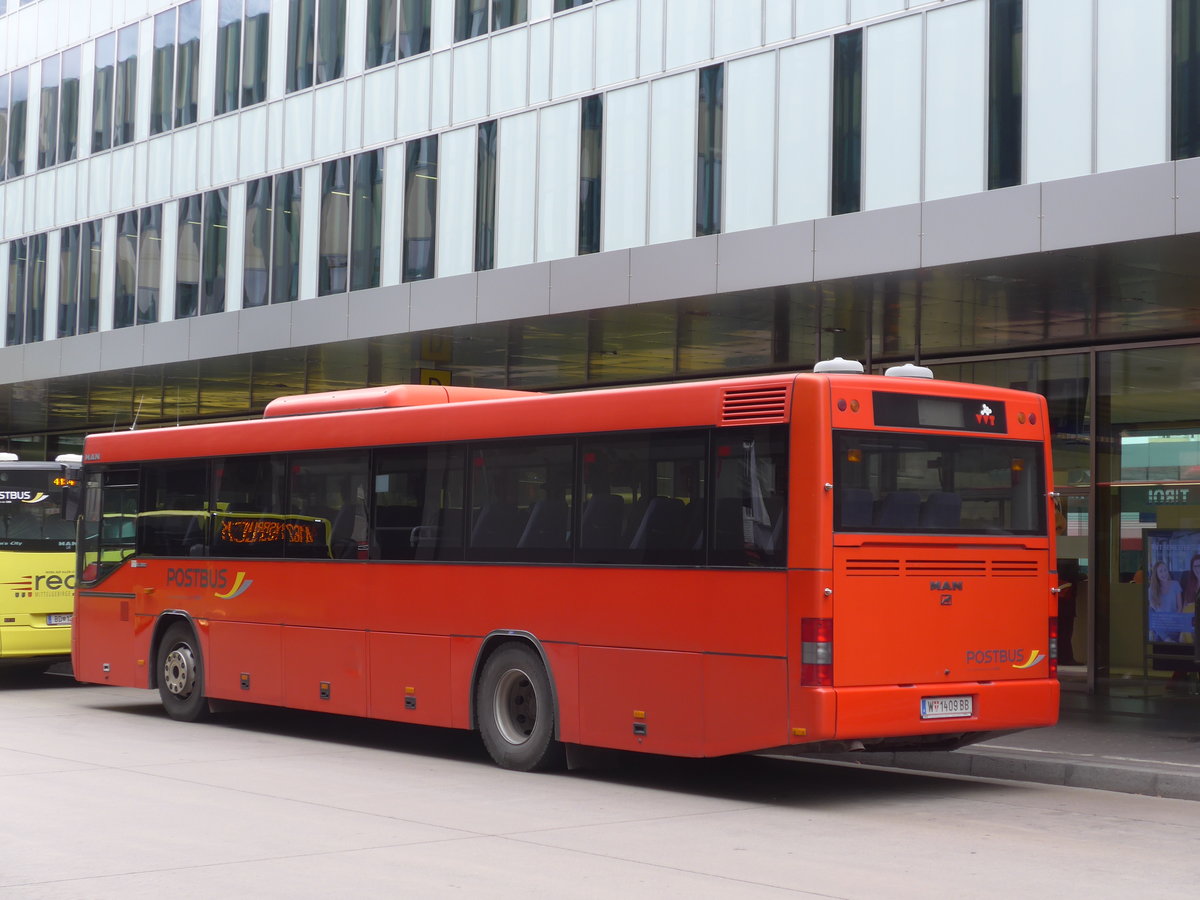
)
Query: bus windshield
[
  {"x": 31, "y": 516},
  {"x": 901, "y": 482}
]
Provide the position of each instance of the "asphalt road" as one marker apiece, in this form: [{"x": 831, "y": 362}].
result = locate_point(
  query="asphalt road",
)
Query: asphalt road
[{"x": 102, "y": 796}]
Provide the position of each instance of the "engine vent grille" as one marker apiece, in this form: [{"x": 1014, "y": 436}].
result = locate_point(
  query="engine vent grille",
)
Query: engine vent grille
[
  {"x": 757, "y": 405},
  {"x": 947, "y": 568}
]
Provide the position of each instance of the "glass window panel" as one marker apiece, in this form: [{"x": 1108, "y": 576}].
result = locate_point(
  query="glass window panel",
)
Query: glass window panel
[
  {"x": 35, "y": 309},
  {"x": 750, "y": 174},
  {"x": 560, "y": 5},
  {"x": 366, "y": 230},
  {"x": 68, "y": 281},
  {"x": 413, "y": 34},
  {"x": 229, "y": 55},
  {"x": 48, "y": 114},
  {"x": 187, "y": 259},
  {"x": 558, "y": 182},
  {"x": 250, "y": 516},
  {"x": 591, "y": 143},
  {"x": 257, "y": 254},
  {"x": 1132, "y": 98},
  {"x": 506, "y": 13},
  {"x": 625, "y": 188},
  {"x": 162, "y": 73},
  {"x": 891, "y": 153},
  {"x": 255, "y": 51},
  {"x": 381, "y": 32},
  {"x": 1059, "y": 73},
  {"x": 89, "y": 276},
  {"x": 302, "y": 17},
  {"x": 328, "y": 496},
  {"x": 285, "y": 244},
  {"x": 515, "y": 186},
  {"x": 456, "y": 201},
  {"x": 750, "y": 498},
  {"x": 485, "y": 196},
  {"x": 955, "y": 94},
  {"x": 1005, "y": 86},
  {"x": 18, "y": 110},
  {"x": 335, "y": 227},
  {"x": 470, "y": 18},
  {"x": 216, "y": 237},
  {"x": 3, "y": 126},
  {"x": 643, "y": 500},
  {"x": 187, "y": 64},
  {"x": 18, "y": 267},
  {"x": 125, "y": 291},
  {"x": 331, "y": 40},
  {"x": 419, "y": 498},
  {"x": 847, "y": 123},
  {"x": 68, "y": 117},
  {"x": 420, "y": 208},
  {"x": 710, "y": 128},
  {"x": 521, "y": 501},
  {"x": 103, "y": 80},
  {"x": 689, "y": 32},
  {"x": 149, "y": 265},
  {"x": 805, "y": 141},
  {"x": 125, "y": 86},
  {"x": 673, "y": 159}
]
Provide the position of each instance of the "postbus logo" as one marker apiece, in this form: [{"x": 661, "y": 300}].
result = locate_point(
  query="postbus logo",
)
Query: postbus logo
[
  {"x": 1017, "y": 659},
  {"x": 23, "y": 496},
  {"x": 985, "y": 416},
  {"x": 220, "y": 581}
]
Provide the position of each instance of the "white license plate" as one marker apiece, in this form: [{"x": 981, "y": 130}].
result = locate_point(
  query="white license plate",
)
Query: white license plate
[
  {"x": 947, "y": 707},
  {"x": 59, "y": 619}
]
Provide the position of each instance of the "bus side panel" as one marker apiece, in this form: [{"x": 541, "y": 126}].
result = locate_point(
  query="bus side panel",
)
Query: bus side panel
[
  {"x": 325, "y": 669},
  {"x": 237, "y": 649},
  {"x": 104, "y": 643},
  {"x": 464, "y": 651},
  {"x": 745, "y": 704},
  {"x": 813, "y": 709},
  {"x": 624, "y": 692},
  {"x": 810, "y": 506},
  {"x": 410, "y": 678}
]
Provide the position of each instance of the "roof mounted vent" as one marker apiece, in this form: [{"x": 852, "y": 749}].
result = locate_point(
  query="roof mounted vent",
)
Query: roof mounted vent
[
  {"x": 838, "y": 366},
  {"x": 908, "y": 370}
]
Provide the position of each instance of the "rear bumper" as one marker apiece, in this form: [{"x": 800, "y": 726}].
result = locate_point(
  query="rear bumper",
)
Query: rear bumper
[
  {"x": 866, "y": 713},
  {"x": 25, "y": 639}
]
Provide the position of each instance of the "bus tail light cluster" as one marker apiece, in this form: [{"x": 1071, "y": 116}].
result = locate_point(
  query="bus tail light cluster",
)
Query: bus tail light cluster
[
  {"x": 816, "y": 652},
  {"x": 1053, "y": 651}
]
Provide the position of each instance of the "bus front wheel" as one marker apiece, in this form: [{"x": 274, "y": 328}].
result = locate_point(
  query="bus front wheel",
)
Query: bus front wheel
[
  {"x": 516, "y": 710},
  {"x": 181, "y": 674}
]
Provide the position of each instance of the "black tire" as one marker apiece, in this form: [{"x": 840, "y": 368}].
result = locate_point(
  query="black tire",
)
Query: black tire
[
  {"x": 180, "y": 673},
  {"x": 515, "y": 707}
]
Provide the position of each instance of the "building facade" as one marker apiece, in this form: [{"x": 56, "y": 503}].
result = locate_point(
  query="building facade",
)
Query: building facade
[{"x": 207, "y": 204}]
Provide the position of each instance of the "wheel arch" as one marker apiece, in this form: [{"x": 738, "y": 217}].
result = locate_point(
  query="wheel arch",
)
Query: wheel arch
[
  {"x": 490, "y": 644},
  {"x": 165, "y": 620}
]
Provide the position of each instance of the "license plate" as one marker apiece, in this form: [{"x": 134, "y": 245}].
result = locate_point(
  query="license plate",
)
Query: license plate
[
  {"x": 947, "y": 707},
  {"x": 59, "y": 619}
]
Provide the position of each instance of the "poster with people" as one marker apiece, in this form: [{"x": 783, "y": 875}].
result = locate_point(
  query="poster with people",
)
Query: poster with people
[{"x": 1172, "y": 580}]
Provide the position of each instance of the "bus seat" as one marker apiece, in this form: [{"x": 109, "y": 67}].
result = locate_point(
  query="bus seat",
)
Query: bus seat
[
  {"x": 603, "y": 518},
  {"x": 898, "y": 509},
  {"x": 498, "y": 525},
  {"x": 941, "y": 510},
  {"x": 857, "y": 508},
  {"x": 662, "y": 526},
  {"x": 548, "y": 526}
]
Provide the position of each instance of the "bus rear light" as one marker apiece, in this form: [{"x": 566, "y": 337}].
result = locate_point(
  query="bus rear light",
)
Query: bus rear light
[
  {"x": 1052, "y": 653},
  {"x": 816, "y": 652}
]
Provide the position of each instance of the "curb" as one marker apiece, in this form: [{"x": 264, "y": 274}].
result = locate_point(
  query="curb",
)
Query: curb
[{"x": 1014, "y": 765}]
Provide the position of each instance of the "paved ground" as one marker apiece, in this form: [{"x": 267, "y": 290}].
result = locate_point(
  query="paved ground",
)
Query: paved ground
[
  {"x": 1129, "y": 737},
  {"x": 104, "y": 796}
]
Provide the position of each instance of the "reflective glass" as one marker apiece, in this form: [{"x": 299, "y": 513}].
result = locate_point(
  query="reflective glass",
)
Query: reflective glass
[
  {"x": 68, "y": 117},
  {"x": 335, "y": 227},
  {"x": 257, "y": 254},
  {"x": 162, "y": 73},
  {"x": 48, "y": 114},
  {"x": 103, "y": 80},
  {"x": 216, "y": 239},
  {"x": 125, "y": 86},
  {"x": 366, "y": 229},
  {"x": 187, "y": 64}
]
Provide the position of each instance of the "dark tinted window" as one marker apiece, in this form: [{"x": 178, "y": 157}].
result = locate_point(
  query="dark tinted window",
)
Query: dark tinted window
[
  {"x": 173, "y": 519},
  {"x": 521, "y": 501},
  {"x": 418, "y": 510}
]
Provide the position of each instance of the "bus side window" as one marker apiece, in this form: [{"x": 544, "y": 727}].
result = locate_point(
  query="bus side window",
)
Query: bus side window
[{"x": 750, "y": 479}]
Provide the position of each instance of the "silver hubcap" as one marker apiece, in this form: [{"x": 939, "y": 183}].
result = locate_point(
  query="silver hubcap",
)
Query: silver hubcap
[
  {"x": 179, "y": 671},
  {"x": 515, "y": 706}
]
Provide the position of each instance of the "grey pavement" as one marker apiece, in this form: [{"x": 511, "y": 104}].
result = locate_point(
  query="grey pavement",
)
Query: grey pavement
[{"x": 1131, "y": 736}]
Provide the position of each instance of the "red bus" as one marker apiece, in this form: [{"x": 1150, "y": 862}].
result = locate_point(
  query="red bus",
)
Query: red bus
[{"x": 694, "y": 569}]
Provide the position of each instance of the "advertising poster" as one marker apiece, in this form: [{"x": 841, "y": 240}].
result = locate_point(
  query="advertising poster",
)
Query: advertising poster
[{"x": 1172, "y": 582}]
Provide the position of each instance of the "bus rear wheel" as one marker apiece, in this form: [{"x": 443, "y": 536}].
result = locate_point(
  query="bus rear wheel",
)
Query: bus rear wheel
[
  {"x": 181, "y": 674},
  {"x": 516, "y": 711}
]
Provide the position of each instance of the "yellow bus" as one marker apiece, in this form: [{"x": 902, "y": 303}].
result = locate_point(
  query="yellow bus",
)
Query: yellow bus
[{"x": 37, "y": 556}]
